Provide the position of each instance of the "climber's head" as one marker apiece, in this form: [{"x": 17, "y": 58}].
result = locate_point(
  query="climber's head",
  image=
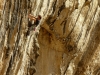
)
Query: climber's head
[{"x": 39, "y": 17}]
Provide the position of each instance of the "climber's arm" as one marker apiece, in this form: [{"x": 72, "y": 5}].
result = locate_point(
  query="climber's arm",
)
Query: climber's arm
[{"x": 31, "y": 17}]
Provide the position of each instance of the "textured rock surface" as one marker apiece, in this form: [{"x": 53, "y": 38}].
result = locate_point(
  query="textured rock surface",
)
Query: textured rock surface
[
  {"x": 68, "y": 40},
  {"x": 18, "y": 51}
]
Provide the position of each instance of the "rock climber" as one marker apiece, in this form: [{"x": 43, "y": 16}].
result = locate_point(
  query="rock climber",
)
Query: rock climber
[{"x": 33, "y": 22}]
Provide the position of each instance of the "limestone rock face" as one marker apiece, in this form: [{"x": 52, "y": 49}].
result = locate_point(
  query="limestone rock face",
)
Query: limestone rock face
[
  {"x": 18, "y": 50},
  {"x": 67, "y": 38}
]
